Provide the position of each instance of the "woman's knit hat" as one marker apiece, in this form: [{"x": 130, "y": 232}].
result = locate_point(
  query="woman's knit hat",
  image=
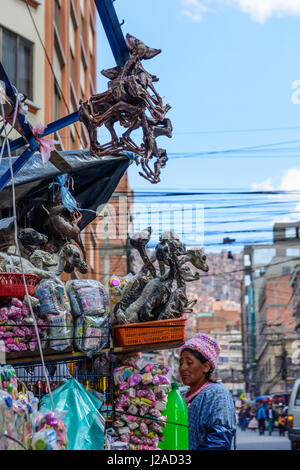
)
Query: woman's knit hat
[{"x": 206, "y": 345}]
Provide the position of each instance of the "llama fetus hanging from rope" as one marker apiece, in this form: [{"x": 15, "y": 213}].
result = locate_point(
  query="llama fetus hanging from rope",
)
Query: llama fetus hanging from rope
[{"x": 130, "y": 95}]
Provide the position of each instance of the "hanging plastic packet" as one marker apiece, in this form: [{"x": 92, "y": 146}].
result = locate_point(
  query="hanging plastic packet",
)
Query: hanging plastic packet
[
  {"x": 116, "y": 286},
  {"x": 87, "y": 297},
  {"x": 60, "y": 334},
  {"x": 52, "y": 297},
  {"x": 91, "y": 334}
]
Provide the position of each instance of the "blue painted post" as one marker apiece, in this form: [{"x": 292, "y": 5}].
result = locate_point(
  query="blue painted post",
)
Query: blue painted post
[
  {"x": 113, "y": 30},
  {"x": 52, "y": 127},
  {"x": 17, "y": 165}
]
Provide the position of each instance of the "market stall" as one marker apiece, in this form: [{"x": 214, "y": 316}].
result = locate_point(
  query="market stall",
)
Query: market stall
[
  {"x": 81, "y": 341},
  {"x": 95, "y": 334}
]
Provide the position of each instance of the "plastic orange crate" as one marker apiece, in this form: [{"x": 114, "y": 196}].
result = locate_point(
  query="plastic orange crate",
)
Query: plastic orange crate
[
  {"x": 159, "y": 331},
  {"x": 12, "y": 284}
]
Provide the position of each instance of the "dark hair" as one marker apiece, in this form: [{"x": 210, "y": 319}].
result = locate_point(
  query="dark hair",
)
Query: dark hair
[{"x": 202, "y": 359}]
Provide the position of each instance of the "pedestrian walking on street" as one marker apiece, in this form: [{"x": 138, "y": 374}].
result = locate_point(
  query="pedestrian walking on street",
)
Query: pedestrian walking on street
[
  {"x": 247, "y": 416},
  {"x": 211, "y": 410},
  {"x": 271, "y": 417},
  {"x": 281, "y": 420},
  {"x": 253, "y": 423},
  {"x": 243, "y": 419},
  {"x": 261, "y": 418}
]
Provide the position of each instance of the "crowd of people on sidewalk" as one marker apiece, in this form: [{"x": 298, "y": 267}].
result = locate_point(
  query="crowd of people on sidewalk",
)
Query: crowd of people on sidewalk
[{"x": 263, "y": 418}]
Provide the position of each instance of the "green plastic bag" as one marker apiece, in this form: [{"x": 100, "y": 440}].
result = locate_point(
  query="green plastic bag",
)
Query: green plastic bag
[{"x": 85, "y": 425}]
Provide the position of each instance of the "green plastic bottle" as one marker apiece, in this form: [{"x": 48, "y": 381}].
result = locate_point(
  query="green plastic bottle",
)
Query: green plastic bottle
[{"x": 176, "y": 431}]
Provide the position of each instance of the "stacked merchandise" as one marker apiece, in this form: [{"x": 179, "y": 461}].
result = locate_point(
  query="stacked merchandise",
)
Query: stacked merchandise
[
  {"x": 141, "y": 398},
  {"x": 21, "y": 425},
  {"x": 17, "y": 331},
  {"x": 90, "y": 311},
  {"x": 75, "y": 316},
  {"x": 54, "y": 307}
]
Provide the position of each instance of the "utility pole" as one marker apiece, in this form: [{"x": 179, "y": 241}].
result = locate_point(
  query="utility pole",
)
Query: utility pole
[
  {"x": 284, "y": 361},
  {"x": 282, "y": 338}
]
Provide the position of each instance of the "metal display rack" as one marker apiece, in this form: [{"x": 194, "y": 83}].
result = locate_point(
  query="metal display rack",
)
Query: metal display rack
[
  {"x": 61, "y": 368},
  {"x": 66, "y": 364}
]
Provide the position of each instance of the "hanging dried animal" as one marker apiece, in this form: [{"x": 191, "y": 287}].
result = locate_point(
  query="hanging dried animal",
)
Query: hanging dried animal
[
  {"x": 62, "y": 227},
  {"x": 127, "y": 101},
  {"x": 152, "y": 296}
]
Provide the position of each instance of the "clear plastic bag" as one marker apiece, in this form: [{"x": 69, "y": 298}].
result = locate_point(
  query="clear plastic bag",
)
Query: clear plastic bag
[
  {"x": 60, "y": 334},
  {"x": 52, "y": 297},
  {"x": 87, "y": 297},
  {"x": 91, "y": 333}
]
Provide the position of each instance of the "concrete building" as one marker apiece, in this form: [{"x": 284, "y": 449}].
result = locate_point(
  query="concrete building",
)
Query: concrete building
[
  {"x": 230, "y": 365},
  {"x": 70, "y": 63},
  {"x": 22, "y": 54},
  {"x": 224, "y": 324},
  {"x": 224, "y": 316},
  {"x": 266, "y": 302}
]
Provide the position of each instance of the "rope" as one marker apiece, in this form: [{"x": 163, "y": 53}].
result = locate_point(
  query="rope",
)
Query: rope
[{"x": 17, "y": 243}]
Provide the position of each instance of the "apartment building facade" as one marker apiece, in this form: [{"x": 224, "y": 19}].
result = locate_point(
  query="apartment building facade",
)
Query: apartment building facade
[
  {"x": 266, "y": 306},
  {"x": 22, "y": 54}
]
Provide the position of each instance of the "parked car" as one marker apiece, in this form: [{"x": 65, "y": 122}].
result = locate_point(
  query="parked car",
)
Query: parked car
[{"x": 293, "y": 417}]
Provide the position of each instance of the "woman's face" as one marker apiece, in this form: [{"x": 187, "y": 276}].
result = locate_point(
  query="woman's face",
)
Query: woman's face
[{"x": 191, "y": 370}]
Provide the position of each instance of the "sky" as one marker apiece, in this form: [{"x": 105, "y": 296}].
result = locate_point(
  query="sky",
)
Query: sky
[{"x": 230, "y": 69}]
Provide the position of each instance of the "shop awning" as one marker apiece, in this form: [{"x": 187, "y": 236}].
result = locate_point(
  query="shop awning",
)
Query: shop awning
[{"x": 94, "y": 181}]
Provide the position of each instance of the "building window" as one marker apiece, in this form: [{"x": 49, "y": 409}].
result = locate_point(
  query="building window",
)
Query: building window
[
  {"x": 17, "y": 60},
  {"x": 57, "y": 98},
  {"x": 263, "y": 255},
  {"x": 72, "y": 139},
  {"x": 72, "y": 36},
  {"x": 247, "y": 261},
  {"x": 82, "y": 78},
  {"x": 291, "y": 232},
  {"x": 57, "y": 13},
  {"x": 293, "y": 252},
  {"x": 286, "y": 270},
  {"x": 91, "y": 40},
  {"x": 72, "y": 66},
  {"x": 82, "y": 8},
  {"x": 91, "y": 256},
  {"x": 223, "y": 359}
]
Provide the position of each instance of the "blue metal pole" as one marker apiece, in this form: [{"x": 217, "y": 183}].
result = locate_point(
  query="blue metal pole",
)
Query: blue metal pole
[
  {"x": 60, "y": 123},
  {"x": 17, "y": 165},
  {"x": 113, "y": 30},
  {"x": 52, "y": 127}
]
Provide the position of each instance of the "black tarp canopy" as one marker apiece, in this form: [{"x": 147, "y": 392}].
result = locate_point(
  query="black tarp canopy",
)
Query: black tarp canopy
[{"x": 94, "y": 181}]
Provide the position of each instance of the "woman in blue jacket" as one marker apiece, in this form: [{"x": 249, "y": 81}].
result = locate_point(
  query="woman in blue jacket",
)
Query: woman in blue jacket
[{"x": 211, "y": 411}]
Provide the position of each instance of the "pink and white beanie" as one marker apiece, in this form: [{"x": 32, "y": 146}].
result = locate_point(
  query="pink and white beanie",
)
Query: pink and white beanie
[{"x": 206, "y": 345}]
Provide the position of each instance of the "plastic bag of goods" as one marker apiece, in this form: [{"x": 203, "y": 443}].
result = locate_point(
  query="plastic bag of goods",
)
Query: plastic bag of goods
[
  {"x": 60, "y": 334},
  {"x": 91, "y": 333},
  {"x": 87, "y": 297},
  {"x": 83, "y": 421},
  {"x": 116, "y": 287},
  {"x": 52, "y": 297}
]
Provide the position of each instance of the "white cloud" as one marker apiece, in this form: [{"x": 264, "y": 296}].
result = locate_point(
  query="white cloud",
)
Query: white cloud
[
  {"x": 194, "y": 9},
  {"x": 263, "y": 186},
  {"x": 290, "y": 181},
  {"x": 259, "y": 10}
]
